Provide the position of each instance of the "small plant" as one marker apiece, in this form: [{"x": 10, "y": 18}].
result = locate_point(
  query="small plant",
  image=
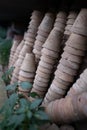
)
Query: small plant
[
  {"x": 19, "y": 113},
  {"x": 7, "y": 75},
  {"x": 5, "y": 46}
]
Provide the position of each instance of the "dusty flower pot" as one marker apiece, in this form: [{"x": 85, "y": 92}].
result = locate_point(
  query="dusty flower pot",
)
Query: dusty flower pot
[
  {"x": 25, "y": 78},
  {"x": 50, "y": 53},
  {"x": 41, "y": 84},
  {"x": 77, "y": 41},
  {"x": 60, "y": 84},
  {"x": 67, "y": 69},
  {"x": 44, "y": 70},
  {"x": 43, "y": 75},
  {"x": 25, "y": 49},
  {"x": 69, "y": 63},
  {"x": 72, "y": 58},
  {"x": 64, "y": 76},
  {"x": 42, "y": 33},
  {"x": 47, "y": 22},
  {"x": 37, "y": 87},
  {"x": 74, "y": 51},
  {"x": 41, "y": 38},
  {"x": 37, "y": 47},
  {"x": 29, "y": 39},
  {"x": 36, "y": 52},
  {"x": 54, "y": 37},
  {"x": 39, "y": 43},
  {"x": 60, "y": 20},
  {"x": 26, "y": 75},
  {"x": 45, "y": 65},
  {"x": 80, "y": 23},
  {"x": 31, "y": 30},
  {"x": 46, "y": 59},
  {"x": 62, "y": 15},
  {"x": 28, "y": 64},
  {"x": 59, "y": 90},
  {"x": 18, "y": 63}
]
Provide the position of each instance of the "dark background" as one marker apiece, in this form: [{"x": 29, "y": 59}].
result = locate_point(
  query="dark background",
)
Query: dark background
[{"x": 19, "y": 11}]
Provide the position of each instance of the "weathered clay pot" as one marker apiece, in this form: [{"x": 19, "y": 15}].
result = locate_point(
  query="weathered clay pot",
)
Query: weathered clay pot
[
  {"x": 80, "y": 23},
  {"x": 28, "y": 64},
  {"x": 71, "y": 57},
  {"x": 74, "y": 51},
  {"x": 47, "y": 23}
]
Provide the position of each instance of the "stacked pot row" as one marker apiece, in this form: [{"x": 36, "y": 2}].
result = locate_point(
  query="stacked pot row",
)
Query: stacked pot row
[
  {"x": 42, "y": 34},
  {"x": 50, "y": 53},
  {"x": 29, "y": 39},
  {"x": 60, "y": 21},
  {"x": 68, "y": 66},
  {"x": 70, "y": 21}
]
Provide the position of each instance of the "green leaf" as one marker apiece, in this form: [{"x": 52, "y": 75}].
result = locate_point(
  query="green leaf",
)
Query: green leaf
[
  {"x": 41, "y": 115},
  {"x": 10, "y": 70},
  {"x": 13, "y": 99},
  {"x": 24, "y": 102},
  {"x": 25, "y": 85},
  {"x": 16, "y": 120},
  {"x": 35, "y": 103},
  {"x": 5, "y": 46},
  {"x": 33, "y": 127},
  {"x": 20, "y": 110},
  {"x": 29, "y": 114},
  {"x": 34, "y": 95},
  {"x": 12, "y": 87}
]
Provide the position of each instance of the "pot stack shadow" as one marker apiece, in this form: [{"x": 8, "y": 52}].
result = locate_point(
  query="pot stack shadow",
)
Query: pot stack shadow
[
  {"x": 71, "y": 60},
  {"x": 50, "y": 53}
]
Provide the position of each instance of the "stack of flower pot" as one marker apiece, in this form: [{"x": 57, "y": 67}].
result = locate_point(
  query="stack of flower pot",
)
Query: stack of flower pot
[
  {"x": 27, "y": 71},
  {"x": 69, "y": 109},
  {"x": 17, "y": 51},
  {"x": 50, "y": 53},
  {"x": 60, "y": 24},
  {"x": 80, "y": 85},
  {"x": 60, "y": 21},
  {"x": 29, "y": 39},
  {"x": 71, "y": 59},
  {"x": 70, "y": 21},
  {"x": 17, "y": 39},
  {"x": 42, "y": 34}
]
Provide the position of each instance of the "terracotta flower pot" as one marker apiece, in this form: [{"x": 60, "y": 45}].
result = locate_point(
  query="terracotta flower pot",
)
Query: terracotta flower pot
[
  {"x": 28, "y": 64},
  {"x": 80, "y": 23}
]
